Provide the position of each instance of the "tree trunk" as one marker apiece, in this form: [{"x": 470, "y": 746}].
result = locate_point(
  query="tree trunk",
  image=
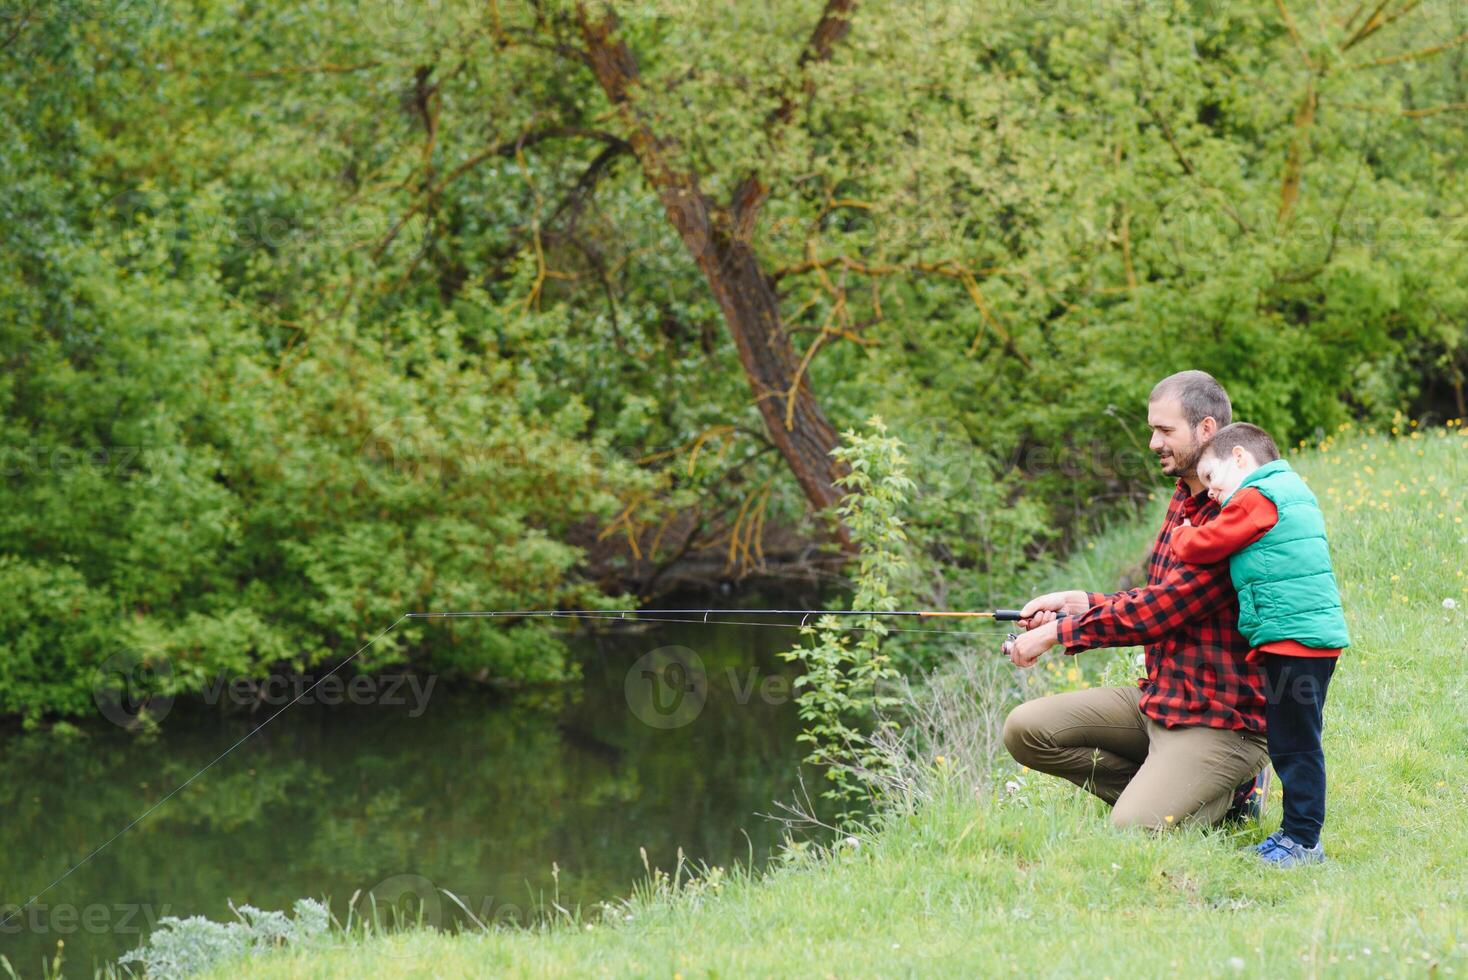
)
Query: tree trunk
[
  {"x": 753, "y": 314},
  {"x": 718, "y": 238}
]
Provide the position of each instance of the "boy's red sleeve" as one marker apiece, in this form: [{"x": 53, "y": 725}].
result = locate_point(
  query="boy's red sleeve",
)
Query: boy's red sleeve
[{"x": 1246, "y": 519}]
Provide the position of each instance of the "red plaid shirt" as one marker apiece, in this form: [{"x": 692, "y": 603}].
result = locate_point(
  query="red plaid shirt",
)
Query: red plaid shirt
[{"x": 1187, "y": 616}]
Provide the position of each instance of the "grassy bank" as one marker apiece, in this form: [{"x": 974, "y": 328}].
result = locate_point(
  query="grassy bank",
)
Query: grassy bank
[{"x": 1032, "y": 880}]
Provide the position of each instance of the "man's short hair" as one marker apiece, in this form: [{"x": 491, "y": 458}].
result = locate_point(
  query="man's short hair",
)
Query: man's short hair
[
  {"x": 1199, "y": 394},
  {"x": 1251, "y": 437}
]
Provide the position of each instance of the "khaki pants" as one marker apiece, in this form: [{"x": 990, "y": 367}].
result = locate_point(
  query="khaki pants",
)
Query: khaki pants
[{"x": 1152, "y": 775}]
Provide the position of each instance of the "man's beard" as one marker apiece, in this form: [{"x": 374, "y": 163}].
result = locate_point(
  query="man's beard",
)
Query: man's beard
[{"x": 1181, "y": 464}]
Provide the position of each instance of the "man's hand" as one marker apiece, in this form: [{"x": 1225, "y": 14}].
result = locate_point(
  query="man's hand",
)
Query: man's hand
[
  {"x": 1046, "y": 608},
  {"x": 1026, "y": 648}
]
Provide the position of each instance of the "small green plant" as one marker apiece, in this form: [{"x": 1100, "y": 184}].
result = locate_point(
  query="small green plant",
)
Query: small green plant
[
  {"x": 843, "y": 690},
  {"x": 186, "y": 947}
]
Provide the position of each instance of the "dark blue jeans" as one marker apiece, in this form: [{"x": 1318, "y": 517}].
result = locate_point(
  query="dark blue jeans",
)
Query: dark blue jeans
[{"x": 1296, "y": 701}]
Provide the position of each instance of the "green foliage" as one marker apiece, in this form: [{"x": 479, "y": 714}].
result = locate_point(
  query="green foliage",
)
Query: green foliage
[
  {"x": 382, "y": 313},
  {"x": 183, "y": 492},
  {"x": 190, "y": 503},
  {"x": 183, "y": 948},
  {"x": 843, "y": 691}
]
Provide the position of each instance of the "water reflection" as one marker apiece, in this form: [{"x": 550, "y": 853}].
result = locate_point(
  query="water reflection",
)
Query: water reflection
[{"x": 476, "y": 793}]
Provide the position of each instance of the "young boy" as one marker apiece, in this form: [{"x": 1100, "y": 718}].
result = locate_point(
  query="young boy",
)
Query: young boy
[{"x": 1273, "y": 534}]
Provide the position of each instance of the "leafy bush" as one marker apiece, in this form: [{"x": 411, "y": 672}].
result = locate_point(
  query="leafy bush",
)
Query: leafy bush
[
  {"x": 181, "y": 500},
  {"x": 844, "y": 688},
  {"x": 181, "y": 948}
]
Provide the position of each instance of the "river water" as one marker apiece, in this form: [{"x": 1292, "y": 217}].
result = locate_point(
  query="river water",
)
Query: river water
[{"x": 676, "y": 737}]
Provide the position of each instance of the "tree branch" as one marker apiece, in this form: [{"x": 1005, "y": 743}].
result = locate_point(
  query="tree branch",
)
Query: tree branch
[
  {"x": 834, "y": 25},
  {"x": 1426, "y": 112},
  {"x": 22, "y": 21},
  {"x": 1289, "y": 189},
  {"x": 1417, "y": 55},
  {"x": 1368, "y": 27},
  {"x": 1376, "y": 22},
  {"x": 530, "y": 39},
  {"x": 1177, "y": 150},
  {"x": 326, "y": 69},
  {"x": 1289, "y": 22},
  {"x": 506, "y": 149},
  {"x": 1435, "y": 110},
  {"x": 598, "y": 168}
]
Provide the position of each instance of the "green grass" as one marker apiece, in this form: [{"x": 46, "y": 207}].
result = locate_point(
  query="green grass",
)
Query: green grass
[{"x": 1036, "y": 882}]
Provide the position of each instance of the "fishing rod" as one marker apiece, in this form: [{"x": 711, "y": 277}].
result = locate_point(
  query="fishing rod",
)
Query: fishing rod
[
  {"x": 702, "y": 616},
  {"x": 998, "y": 615}
]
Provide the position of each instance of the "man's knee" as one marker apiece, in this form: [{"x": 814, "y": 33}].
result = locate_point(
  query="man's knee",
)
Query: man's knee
[
  {"x": 1022, "y": 733},
  {"x": 1126, "y": 815},
  {"x": 1136, "y": 810}
]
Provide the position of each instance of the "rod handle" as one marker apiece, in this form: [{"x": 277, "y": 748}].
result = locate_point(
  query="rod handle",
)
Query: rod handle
[{"x": 1006, "y": 615}]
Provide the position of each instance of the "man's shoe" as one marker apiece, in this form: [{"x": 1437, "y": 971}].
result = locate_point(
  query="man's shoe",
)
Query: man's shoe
[
  {"x": 1268, "y": 843},
  {"x": 1249, "y": 799},
  {"x": 1287, "y": 854}
]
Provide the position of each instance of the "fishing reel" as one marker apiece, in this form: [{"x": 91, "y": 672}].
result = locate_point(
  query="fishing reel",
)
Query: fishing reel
[
  {"x": 1007, "y": 616},
  {"x": 1011, "y": 616}
]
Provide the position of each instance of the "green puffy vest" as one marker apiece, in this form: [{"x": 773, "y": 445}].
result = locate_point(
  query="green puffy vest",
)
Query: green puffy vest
[{"x": 1287, "y": 590}]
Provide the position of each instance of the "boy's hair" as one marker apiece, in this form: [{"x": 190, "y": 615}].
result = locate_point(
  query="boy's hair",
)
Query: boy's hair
[
  {"x": 1198, "y": 393},
  {"x": 1251, "y": 437}
]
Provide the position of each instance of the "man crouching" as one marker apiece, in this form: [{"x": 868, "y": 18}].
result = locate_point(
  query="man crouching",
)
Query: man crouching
[{"x": 1187, "y": 743}]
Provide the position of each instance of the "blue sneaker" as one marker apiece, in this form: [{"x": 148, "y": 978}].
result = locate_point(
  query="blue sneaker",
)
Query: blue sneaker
[
  {"x": 1268, "y": 843},
  {"x": 1288, "y": 854}
]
